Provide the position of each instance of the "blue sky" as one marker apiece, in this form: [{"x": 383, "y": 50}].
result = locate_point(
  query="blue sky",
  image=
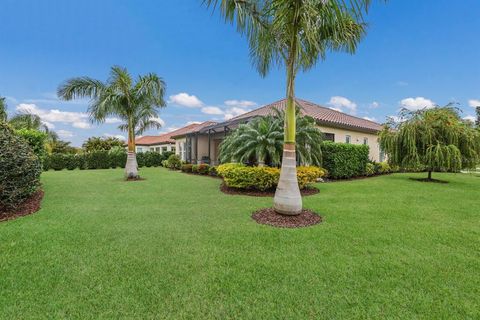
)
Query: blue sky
[{"x": 416, "y": 53}]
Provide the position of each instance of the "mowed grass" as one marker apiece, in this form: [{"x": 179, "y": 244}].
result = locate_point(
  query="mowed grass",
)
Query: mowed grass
[{"x": 175, "y": 247}]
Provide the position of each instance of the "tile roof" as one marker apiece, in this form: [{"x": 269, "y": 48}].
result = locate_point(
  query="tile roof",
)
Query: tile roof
[
  {"x": 324, "y": 116},
  {"x": 191, "y": 128}
]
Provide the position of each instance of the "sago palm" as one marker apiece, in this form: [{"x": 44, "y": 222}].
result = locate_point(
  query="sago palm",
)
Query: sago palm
[
  {"x": 294, "y": 34},
  {"x": 262, "y": 139},
  {"x": 135, "y": 102}
]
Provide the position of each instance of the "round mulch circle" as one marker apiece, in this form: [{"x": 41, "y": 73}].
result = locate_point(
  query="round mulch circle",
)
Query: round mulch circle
[
  {"x": 266, "y": 193},
  {"x": 29, "y": 206},
  {"x": 269, "y": 217}
]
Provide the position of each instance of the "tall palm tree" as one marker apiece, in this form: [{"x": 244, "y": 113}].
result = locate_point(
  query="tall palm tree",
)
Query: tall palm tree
[
  {"x": 294, "y": 34},
  {"x": 135, "y": 102}
]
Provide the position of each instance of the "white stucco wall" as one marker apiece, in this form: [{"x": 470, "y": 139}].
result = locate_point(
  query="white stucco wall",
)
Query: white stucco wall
[{"x": 160, "y": 148}]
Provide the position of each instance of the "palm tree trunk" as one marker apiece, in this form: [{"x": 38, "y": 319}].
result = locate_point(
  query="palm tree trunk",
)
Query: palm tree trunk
[
  {"x": 131, "y": 167},
  {"x": 287, "y": 199}
]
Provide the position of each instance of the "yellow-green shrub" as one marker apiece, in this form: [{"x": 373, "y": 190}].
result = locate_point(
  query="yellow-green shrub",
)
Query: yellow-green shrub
[
  {"x": 308, "y": 175},
  {"x": 263, "y": 178}
]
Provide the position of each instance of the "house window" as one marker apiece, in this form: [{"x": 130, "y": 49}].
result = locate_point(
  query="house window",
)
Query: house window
[
  {"x": 157, "y": 149},
  {"x": 152, "y": 149},
  {"x": 329, "y": 137},
  {"x": 365, "y": 141},
  {"x": 164, "y": 149},
  {"x": 348, "y": 139},
  {"x": 139, "y": 149},
  {"x": 173, "y": 149}
]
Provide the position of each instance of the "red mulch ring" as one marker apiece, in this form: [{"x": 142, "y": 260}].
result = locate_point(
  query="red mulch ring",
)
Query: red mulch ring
[
  {"x": 266, "y": 193},
  {"x": 269, "y": 217},
  {"x": 428, "y": 180},
  {"x": 29, "y": 206}
]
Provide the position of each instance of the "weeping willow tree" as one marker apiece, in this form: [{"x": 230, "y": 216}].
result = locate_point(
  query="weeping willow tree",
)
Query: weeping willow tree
[{"x": 434, "y": 139}]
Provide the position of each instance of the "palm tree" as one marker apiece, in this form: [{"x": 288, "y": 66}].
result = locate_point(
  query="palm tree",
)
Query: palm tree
[
  {"x": 295, "y": 34},
  {"x": 135, "y": 102},
  {"x": 262, "y": 139}
]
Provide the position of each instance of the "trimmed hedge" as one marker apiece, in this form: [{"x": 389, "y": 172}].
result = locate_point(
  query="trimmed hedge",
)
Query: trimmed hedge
[
  {"x": 20, "y": 169},
  {"x": 35, "y": 139},
  {"x": 100, "y": 159},
  {"x": 343, "y": 161},
  {"x": 263, "y": 178}
]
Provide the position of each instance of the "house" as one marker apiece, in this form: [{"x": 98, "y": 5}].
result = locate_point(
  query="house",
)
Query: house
[
  {"x": 201, "y": 143},
  {"x": 161, "y": 143}
]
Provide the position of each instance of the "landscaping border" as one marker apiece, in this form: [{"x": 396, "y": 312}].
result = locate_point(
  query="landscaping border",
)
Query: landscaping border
[{"x": 29, "y": 206}]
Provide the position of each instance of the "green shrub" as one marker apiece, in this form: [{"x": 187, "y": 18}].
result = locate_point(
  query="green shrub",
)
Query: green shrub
[
  {"x": 383, "y": 168},
  {"x": 81, "y": 159},
  {"x": 46, "y": 163},
  {"x": 165, "y": 163},
  {"x": 98, "y": 160},
  {"x": 70, "y": 161},
  {"x": 57, "y": 161},
  {"x": 35, "y": 139},
  {"x": 152, "y": 159},
  {"x": 118, "y": 157},
  {"x": 308, "y": 175},
  {"x": 213, "y": 171},
  {"x": 195, "y": 168},
  {"x": 203, "y": 168},
  {"x": 226, "y": 167},
  {"x": 165, "y": 155},
  {"x": 187, "y": 168},
  {"x": 343, "y": 160},
  {"x": 140, "y": 159},
  {"x": 20, "y": 168},
  {"x": 174, "y": 162},
  {"x": 370, "y": 169}
]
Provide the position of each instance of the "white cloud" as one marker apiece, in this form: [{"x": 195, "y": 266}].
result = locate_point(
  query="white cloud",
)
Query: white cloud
[
  {"x": 186, "y": 100},
  {"x": 341, "y": 103},
  {"x": 417, "y": 103},
  {"x": 374, "y": 105},
  {"x": 233, "y": 112},
  {"x": 470, "y": 118},
  {"x": 370, "y": 119},
  {"x": 113, "y": 120},
  {"x": 240, "y": 103},
  {"x": 212, "y": 110},
  {"x": 159, "y": 120},
  {"x": 118, "y": 136},
  {"x": 396, "y": 119},
  {"x": 49, "y": 125},
  {"x": 76, "y": 119},
  {"x": 474, "y": 103},
  {"x": 64, "y": 134}
]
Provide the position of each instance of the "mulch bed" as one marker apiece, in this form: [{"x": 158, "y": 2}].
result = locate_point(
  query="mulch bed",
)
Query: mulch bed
[
  {"x": 266, "y": 193},
  {"x": 29, "y": 206},
  {"x": 134, "y": 179},
  {"x": 269, "y": 217},
  {"x": 429, "y": 180}
]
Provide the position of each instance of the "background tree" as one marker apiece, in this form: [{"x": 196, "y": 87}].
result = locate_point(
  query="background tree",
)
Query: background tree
[
  {"x": 294, "y": 34},
  {"x": 3, "y": 109},
  {"x": 477, "y": 123},
  {"x": 432, "y": 139},
  {"x": 120, "y": 96},
  {"x": 101, "y": 143}
]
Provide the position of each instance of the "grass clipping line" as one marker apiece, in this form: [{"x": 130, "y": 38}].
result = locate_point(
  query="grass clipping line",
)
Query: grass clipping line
[{"x": 269, "y": 217}]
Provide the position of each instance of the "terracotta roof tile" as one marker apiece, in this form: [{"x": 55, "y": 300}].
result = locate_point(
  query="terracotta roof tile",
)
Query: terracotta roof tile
[{"x": 325, "y": 116}]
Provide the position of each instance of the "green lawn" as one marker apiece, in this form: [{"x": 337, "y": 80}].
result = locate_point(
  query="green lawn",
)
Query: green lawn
[{"x": 175, "y": 247}]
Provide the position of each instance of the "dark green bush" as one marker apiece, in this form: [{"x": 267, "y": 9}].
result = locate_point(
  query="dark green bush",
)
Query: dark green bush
[
  {"x": 118, "y": 157},
  {"x": 152, "y": 159},
  {"x": 174, "y": 162},
  {"x": 20, "y": 169},
  {"x": 71, "y": 162},
  {"x": 343, "y": 160},
  {"x": 81, "y": 159},
  {"x": 166, "y": 155},
  {"x": 213, "y": 171},
  {"x": 57, "y": 161},
  {"x": 140, "y": 159},
  {"x": 98, "y": 160}
]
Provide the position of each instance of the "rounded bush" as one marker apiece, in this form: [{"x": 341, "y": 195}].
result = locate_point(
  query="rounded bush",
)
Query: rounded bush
[
  {"x": 174, "y": 162},
  {"x": 20, "y": 168},
  {"x": 187, "y": 168}
]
